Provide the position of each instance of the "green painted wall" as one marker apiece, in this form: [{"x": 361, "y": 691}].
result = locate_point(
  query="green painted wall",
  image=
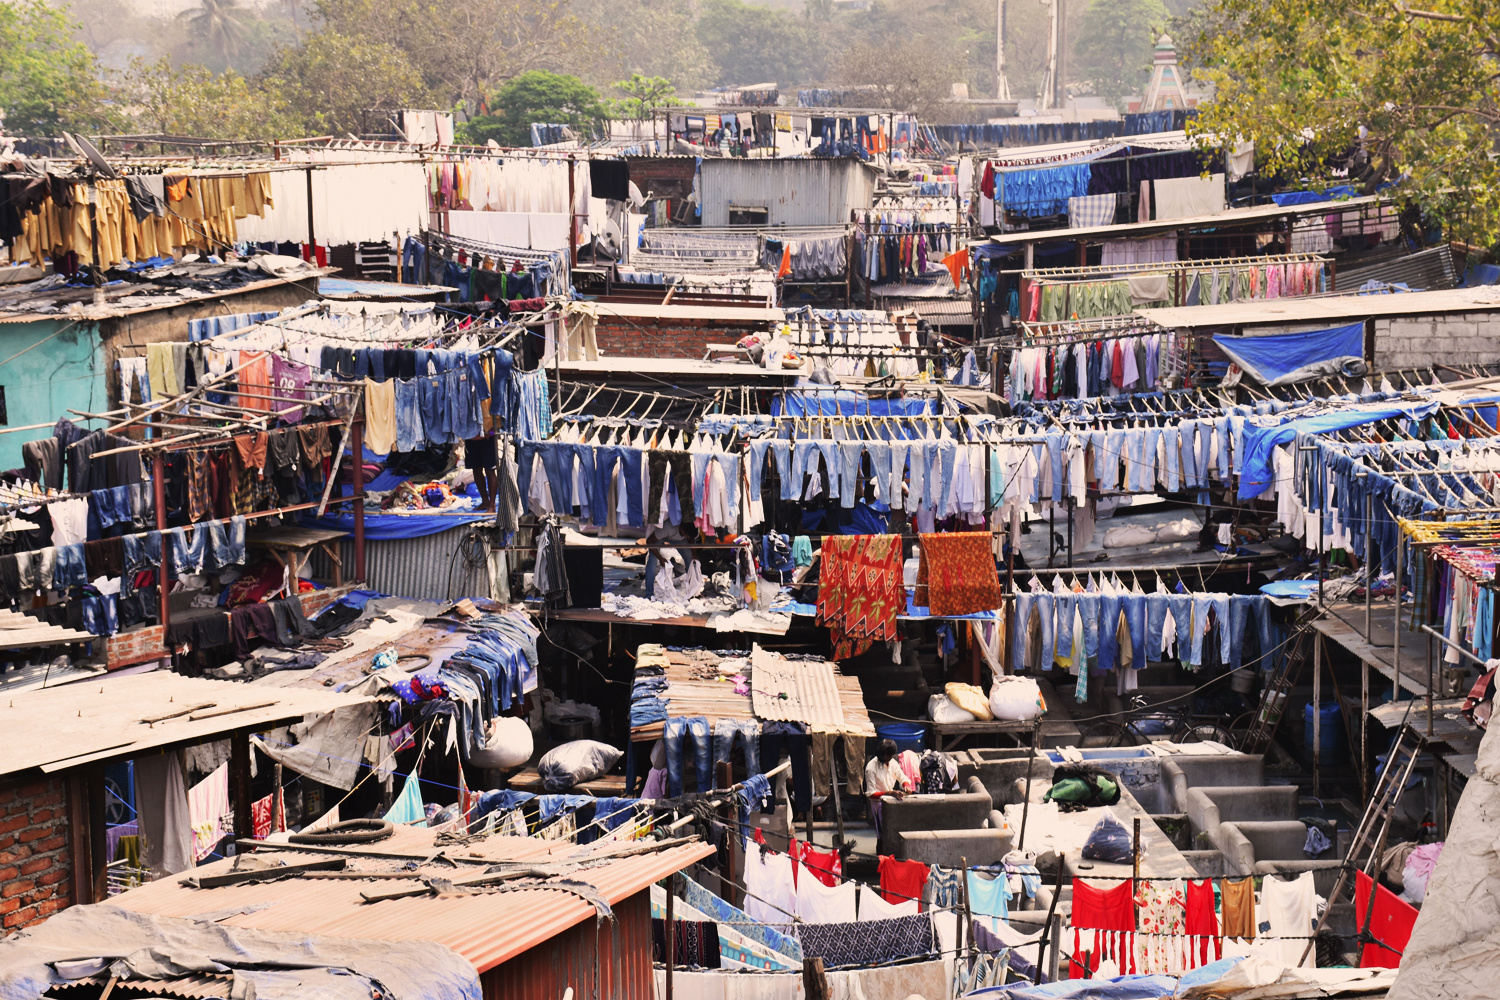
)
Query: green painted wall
[{"x": 63, "y": 368}]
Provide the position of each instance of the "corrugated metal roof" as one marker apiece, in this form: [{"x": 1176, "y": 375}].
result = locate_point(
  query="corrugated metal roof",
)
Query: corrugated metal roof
[
  {"x": 192, "y": 987},
  {"x": 1426, "y": 270},
  {"x": 122, "y": 716},
  {"x": 486, "y": 928},
  {"x": 429, "y": 567},
  {"x": 793, "y": 192},
  {"x": 1261, "y": 312}
]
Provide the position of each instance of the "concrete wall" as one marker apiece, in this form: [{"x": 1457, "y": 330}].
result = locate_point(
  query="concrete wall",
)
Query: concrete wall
[
  {"x": 811, "y": 192},
  {"x": 46, "y": 368},
  {"x": 35, "y": 867},
  {"x": 639, "y": 337},
  {"x": 1453, "y": 338}
]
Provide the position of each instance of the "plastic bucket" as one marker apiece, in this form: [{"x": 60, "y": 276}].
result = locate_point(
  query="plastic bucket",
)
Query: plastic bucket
[
  {"x": 907, "y": 735},
  {"x": 1331, "y": 731}
]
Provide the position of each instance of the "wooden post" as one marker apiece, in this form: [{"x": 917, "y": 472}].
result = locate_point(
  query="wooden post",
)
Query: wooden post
[
  {"x": 159, "y": 497},
  {"x": 670, "y": 935},
  {"x": 838, "y": 803},
  {"x": 724, "y": 778},
  {"x": 814, "y": 982},
  {"x": 967, "y": 933},
  {"x": 1041, "y": 949},
  {"x": 278, "y": 820},
  {"x": 1135, "y": 859},
  {"x": 357, "y": 472},
  {"x": 808, "y": 822},
  {"x": 312, "y": 240},
  {"x": 239, "y": 783}
]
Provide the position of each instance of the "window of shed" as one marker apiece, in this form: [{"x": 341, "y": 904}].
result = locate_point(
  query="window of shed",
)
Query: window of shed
[{"x": 744, "y": 215}]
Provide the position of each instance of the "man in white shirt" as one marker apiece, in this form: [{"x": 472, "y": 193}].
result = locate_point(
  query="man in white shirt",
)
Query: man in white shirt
[{"x": 883, "y": 776}]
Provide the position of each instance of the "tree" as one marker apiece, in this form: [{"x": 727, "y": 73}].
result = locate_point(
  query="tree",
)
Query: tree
[
  {"x": 913, "y": 78},
  {"x": 192, "y": 100},
  {"x": 462, "y": 48},
  {"x": 220, "y": 25},
  {"x": 758, "y": 45},
  {"x": 336, "y": 84},
  {"x": 643, "y": 96},
  {"x": 1113, "y": 50},
  {"x": 1413, "y": 93},
  {"x": 650, "y": 37},
  {"x": 536, "y": 96},
  {"x": 48, "y": 81}
]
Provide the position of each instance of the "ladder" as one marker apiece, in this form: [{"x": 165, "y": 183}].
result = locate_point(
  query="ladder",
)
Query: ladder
[
  {"x": 1378, "y": 813},
  {"x": 1272, "y": 706}
]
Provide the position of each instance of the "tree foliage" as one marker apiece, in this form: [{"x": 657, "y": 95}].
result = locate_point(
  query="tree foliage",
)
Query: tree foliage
[
  {"x": 462, "y": 49},
  {"x": 757, "y": 44},
  {"x": 1407, "y": 92},
  {"x": 336, "y": 84},
  {"x": 222, "y": 26},
  {"x": 911, "y": 78},
  {"x": 649, "y": 37},
  {"x": 643, "y": 95},
  {"x": 536, "y": 96},
  {"x": 1113, "y": 50},
  {"x": 48, "y": 81},
  {"x": 192, "y": 100}
]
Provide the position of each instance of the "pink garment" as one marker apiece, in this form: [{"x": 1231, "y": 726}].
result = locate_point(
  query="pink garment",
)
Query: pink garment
[{"x": 911, "y": 766}]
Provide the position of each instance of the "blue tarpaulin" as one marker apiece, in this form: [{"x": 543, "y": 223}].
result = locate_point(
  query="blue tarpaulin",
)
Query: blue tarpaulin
[
  {"x": 1312, "y": 197},
  {"x": 1256, "y": 476},
  {"x": 830, "y": 402},
  {"x": 1123, "y": 988},
  {"x": 1291, "y": 357}
]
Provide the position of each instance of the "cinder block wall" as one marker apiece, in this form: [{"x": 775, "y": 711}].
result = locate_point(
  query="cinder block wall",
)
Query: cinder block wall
[{"x": 1471, "y": 338}]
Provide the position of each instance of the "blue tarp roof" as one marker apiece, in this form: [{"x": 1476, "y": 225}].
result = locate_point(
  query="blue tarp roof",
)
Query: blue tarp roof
[{"x": 1290, "y": 357}]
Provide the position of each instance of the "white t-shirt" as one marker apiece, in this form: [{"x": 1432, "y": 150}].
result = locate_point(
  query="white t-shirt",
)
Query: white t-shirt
[
  {"x": 821, "y": 904},
  {"x": 881, "y": 778}
]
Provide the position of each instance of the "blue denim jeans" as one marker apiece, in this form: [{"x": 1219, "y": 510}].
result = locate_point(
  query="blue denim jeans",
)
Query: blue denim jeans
[
  {"x": 757, "y": 455},
  {"x": 1202, "y": 603},
  {"x": 917, "y": 452},
  {"x": 557, "y": 459},
  {"x": 1025, "y": 602},
  {"x": 1055, "y": 455},
  {"x": 434, "y": 402},
  {"x": 1221, "y": 453},
  {"x": 1157, "y": 606},
  {"x": 1088, "y": 614},
  {"x": 187, "y": 556},
  {"x": 70, "y": 571},
  {"x": 1107, "y": 459},
  {"x": 695, "y": 729},
  {"x": 226, "y": 543},
  {"x": 1205, "y": 449},
  {"x": 588, "y": 481},
  {"x": 832, "y": 461},
  {"x": 1109, "y": 627},
  {"x": 730, "y": 464},
  {"x": 1182, "y": 617},
  {"x": 465, "y": 408},
  {"x": 1192, "y": 477},
  {"x": 792, "y": 736},
  {"x": 411, "y": 433},
  {"x": 880, "y": 468},
  {"x": 804, "y": 463},
  {"x": 1046, "y": 610},
  {"x": 1172, "y": 450},
  {"x": 748, "y": 731},
  {"x": 630, "y": 478},
  {"x": 896, "y": 470},
  {"x": 1065, "y": 606},
  {"x": 1134, "y": 606},
  {"x": 851, "y": 453}
]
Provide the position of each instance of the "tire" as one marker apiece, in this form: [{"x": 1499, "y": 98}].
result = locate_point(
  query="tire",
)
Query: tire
[
  {"x": 1108, "y": 734},
  {"x": 1204, "y": 734},
  {"x": 350, "y": 831}
]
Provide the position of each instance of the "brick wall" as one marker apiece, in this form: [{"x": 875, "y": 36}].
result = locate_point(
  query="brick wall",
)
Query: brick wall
[
  {"x": 1452, "y": 338},
  {"x": 644, "y": 338},
  {"x": 35, "y": 870}
]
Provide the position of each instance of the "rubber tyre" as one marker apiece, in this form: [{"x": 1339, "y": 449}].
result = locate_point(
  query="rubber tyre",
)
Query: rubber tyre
[
  {"x": 350, "y": 831},
  {"x": 1205, "y": 733}
]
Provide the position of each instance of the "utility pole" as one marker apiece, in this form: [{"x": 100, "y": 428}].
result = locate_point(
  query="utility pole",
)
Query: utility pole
[
  {"x": 1002, "y": 85},
  {"x": 1060, "y": 77}
]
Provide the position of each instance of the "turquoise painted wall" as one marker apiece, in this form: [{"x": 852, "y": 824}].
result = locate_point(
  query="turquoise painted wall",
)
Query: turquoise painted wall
[{"x": 64, "y": 369}]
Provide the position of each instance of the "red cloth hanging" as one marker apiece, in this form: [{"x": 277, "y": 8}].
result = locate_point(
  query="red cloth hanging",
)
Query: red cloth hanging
[
  {"x": 987, "y": 180},
  {"x": 1097, "y": 909},
  {"x": 825, "y": 866},
  {"x": 901, "y": 880},
  {"x": 1391, "y": 922},
  {"x": 1201, "y": 919}
]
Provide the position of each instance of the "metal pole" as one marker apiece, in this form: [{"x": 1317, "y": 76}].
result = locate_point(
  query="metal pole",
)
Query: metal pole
[
  {"x": 670, "y": 934},
  {"x": 159, "y": 496},
  {"x": 1041, "y": 948},
  {"x": 312, "y": 238},
  {"x": 1026, "y": 802},
  {"x": 1369, "y": 556},
  {"x": 1317, "y": 749},
  {"x": 968, "y": 927},
  {"x": 1429, "y": 685},
  {"x": 1135, "y": 859},
  {"x": 357, "y": 471},
  {"x": 1364, "y": 729},
  {"x": 838, "y": 802},
  {"x": 724, "y": 778}
]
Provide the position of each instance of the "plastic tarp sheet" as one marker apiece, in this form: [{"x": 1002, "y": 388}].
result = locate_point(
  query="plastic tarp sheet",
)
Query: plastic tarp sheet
[
  {"x": 384, "y": 527},
  {"x": 1292, "y": 357},
  {"x": 1256, "y": 475},
  {"x": 328, "y": 745},
  {"x": 845, "y": 402},
  {"x": 102, "y": 940},
  {"x": 1259, "y": 977},
  {"x": 1123, "y": 988},
  {"x": 1313, "y": 197}
]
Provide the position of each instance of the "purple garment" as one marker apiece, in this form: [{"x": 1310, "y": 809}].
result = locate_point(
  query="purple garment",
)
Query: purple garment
[
  {"x": 656, "y": 784},
  {"x": 289, "y": 381}
]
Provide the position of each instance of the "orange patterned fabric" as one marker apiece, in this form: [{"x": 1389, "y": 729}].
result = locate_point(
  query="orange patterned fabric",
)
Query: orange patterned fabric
[
  {"x": 957, "y": 574},
  {"x": 860, "y": 591}
]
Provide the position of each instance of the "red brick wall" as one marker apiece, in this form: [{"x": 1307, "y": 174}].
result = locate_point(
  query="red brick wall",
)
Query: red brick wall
[
  {"x": 35, "y": 869},
  {"x": 644, "y": 338}
]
